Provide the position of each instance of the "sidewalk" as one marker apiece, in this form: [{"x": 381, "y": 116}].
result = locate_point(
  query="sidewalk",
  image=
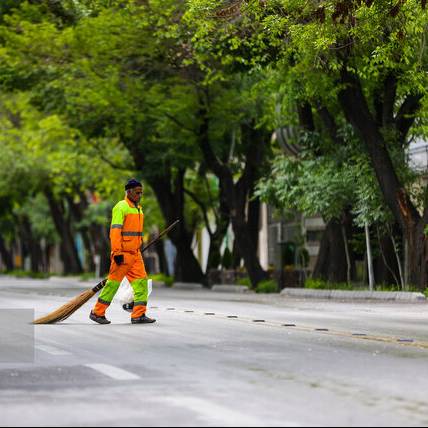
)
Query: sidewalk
[
  {"x": 399, "y": 296},
  {"x": 70, "y": 282}
]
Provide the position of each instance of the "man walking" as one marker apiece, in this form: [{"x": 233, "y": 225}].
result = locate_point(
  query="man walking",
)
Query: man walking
[{"x": 126, "y": 235}]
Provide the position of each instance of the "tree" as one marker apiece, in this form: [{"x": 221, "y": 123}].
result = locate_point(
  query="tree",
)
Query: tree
[
  {"x": 235, "y": 143},
  {"x": 109, "y": 84},
  {"x": 97, "y": 97},
  {"x": 365, "y": 60},
  {"x": 48, "y": 163}
]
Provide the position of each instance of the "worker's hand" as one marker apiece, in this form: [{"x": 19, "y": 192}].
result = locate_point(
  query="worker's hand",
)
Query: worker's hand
[{"x": 119, "y": 260}]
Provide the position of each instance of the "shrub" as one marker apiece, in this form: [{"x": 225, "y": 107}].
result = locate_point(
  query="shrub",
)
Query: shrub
[
  {"x": 29, "y": 274},
  {"x": 388, "y": 287},
  {"x": 245, "y": 281},
  {"x": 161, "y": 277},
  {"x": 320, "y": 284},
  {"x": 87, "y": 276},
  {"x": 268, "y": 286}
]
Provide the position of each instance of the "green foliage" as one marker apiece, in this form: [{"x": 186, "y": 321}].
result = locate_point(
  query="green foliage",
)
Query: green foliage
[
  {"x": 87, "y": 276},
  {"x": 267, "y": 287},
  {"x": 326, "y": 185},
  {"x": 167, "y": 280},
  {"x": 93, "y": 88},
  {"x": 388, "y": 287},
  {"x": 305, "y": 48},
  {"x": 245, "y": 281},
  {"x": 28, "y": 274},
  {"x": 319, "y": 284}
]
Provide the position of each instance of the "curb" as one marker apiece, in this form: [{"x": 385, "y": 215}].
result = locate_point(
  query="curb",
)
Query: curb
[
  {"x": 398, "y": 296},
  {"x": 187, "y": 286},
  {"x": 230, "y": 288},
  {"x": 158, "y": 284}
]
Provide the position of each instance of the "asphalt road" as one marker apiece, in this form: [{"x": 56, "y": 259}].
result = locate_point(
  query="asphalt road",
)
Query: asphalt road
[{"x": 367, "y": 366}]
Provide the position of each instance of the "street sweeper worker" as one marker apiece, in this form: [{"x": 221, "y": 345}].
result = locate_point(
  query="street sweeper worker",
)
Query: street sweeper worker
[{"x": 126, "y": 235}]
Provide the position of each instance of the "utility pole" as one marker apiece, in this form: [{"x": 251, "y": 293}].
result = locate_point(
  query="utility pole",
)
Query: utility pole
[{"x": 369, "y": 257}]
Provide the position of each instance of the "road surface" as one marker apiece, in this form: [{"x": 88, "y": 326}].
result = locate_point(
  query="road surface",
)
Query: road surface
[{"x": 217, "y": 359}]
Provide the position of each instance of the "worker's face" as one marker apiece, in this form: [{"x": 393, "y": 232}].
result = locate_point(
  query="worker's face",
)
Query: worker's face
[{"x": 135, "y": 194}]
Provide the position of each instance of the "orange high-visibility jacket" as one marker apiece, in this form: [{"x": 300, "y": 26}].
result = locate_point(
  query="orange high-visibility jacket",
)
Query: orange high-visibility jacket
[{"x": 126, "y": 233}]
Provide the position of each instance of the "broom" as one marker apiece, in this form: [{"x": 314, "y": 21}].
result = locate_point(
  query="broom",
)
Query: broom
[{"x": 71, "y": 307}]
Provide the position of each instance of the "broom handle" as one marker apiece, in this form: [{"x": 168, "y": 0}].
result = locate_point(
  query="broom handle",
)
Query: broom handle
[
  {"x": 102, "y": 284},
  {"x": 161, "y": 235}
]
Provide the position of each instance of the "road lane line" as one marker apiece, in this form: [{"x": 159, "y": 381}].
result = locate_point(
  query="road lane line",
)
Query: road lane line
[
  {"x": 218, "y": 414},
  {"x": 52, "y": 350},
  {"x": 113, "y": 372},
  {"x": 421, "y": 344}
]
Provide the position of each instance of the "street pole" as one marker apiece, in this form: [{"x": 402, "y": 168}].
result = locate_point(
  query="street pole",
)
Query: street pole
[{"x": 369, "y": 257}]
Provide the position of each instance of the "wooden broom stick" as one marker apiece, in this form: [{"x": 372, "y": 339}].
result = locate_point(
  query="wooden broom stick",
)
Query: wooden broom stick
[{"x": 71, "y": 307}]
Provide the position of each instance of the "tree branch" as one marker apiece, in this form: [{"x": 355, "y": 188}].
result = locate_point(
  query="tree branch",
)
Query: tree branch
[
  {"x": 389, "y": 95},
  {"x": 356, "y": 109},
  {"x": 330, "y": 124},
  {"x": 407, "y": 114},
  {"x": 179, "y": 123},
  {"x": 203, "y": 209},
  {"x": 105, "y": 159}
]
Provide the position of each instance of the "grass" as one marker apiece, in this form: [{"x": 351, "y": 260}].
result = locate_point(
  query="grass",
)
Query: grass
[
  {"x": 27, "y": 274},
  {"x": 319, "y": 284}
]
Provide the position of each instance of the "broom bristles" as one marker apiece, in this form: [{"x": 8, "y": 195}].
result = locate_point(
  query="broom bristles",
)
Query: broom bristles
[{"x": 67, "y": 310}]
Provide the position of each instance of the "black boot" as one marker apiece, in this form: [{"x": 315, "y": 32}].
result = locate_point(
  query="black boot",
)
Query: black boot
[
  {"x": 142, "y": 320},
  {"x": 128, "y": 307},
  {"x": 99, "y": 320}
]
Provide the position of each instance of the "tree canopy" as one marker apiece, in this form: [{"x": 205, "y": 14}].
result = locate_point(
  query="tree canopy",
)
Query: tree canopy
[{"x": 187, "y": 96}]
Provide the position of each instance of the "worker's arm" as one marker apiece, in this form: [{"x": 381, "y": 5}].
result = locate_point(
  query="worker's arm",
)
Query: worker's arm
[{"x": 116, "y": 232}]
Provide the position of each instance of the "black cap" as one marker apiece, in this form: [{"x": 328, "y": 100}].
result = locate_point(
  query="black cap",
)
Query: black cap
[{"x": 131, "y": 184}]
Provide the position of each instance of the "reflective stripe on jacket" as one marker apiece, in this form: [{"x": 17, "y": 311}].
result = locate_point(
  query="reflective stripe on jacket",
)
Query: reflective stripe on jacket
[{"x": 126, "y": 233}]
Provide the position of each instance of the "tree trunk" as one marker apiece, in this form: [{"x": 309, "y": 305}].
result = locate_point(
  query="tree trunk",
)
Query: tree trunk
[
  {"x": 248, "y": 250},
  {"x": 6, "y": 255},
  {"x": 347, "y": 254},
  {"x": 216, "y": 241},
  {"x": 101, "y": 240},
  {"x": 417, "y": 255},
  {"x": 33, "y": 247},
  {"x": 163, "y": 263},
  {"x": 236, "y": 255},
  {"x": 69, "y": 253},
  {"x": 217, "y": 238},
  {"x": 78, "y": 211},
  {"x": 387, "y": 269},
  {"x": 331, "y": 264},
  {"x": 236, "y": 195},
  {"x": 254, "y": 220},
  {"x": 171, "y": 202},
  {"x": 357, "y": 112}
]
